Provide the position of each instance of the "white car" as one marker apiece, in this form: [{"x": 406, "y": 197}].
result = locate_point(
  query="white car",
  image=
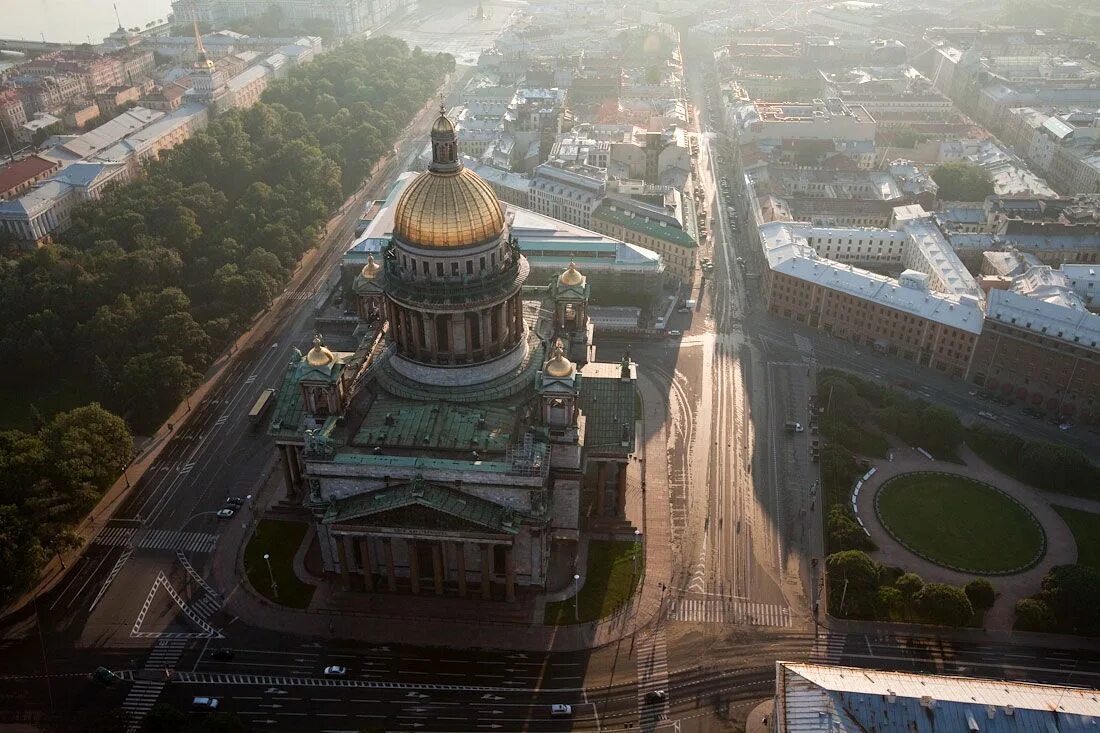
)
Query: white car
[
  {"x": 204, "y": 703},
  {"x": 561, "y": 711},
  {"x": 988, "y": 415},
  {"x": 336, "y": 671},
  {"x": 226, "y": 513},
  {"x": 675, "y": 334}
]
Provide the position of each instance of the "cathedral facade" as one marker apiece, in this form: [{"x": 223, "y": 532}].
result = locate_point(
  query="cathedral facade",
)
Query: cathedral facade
[{"x": 469, "y": 436}]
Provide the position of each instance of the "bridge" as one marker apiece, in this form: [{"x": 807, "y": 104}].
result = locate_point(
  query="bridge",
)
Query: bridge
[{"x": 32, "y": 48}]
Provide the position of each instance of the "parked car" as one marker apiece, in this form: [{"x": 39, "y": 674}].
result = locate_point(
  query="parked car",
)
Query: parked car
[
  {"x": 656, "y": 696},
  {"x": 988, "y": 415},
  {"x": 675, "y": 334},
  {"x": 103, "y": 676},
  {"x": 234, "y": 501},
  {"x": 227, "y": 512},
  {"x": 204, "y": 703}
]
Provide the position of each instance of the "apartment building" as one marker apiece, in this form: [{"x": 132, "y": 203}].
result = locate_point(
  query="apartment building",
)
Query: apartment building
[
  {"x": 652, "y": 227},
  {"x": 566, "y": 194}
]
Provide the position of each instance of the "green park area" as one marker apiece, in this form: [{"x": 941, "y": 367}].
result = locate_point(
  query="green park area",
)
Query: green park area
[
  {"x": 960, "y": 523},
  {"x": 609, "y": 581},
  {"x": 1085, "y": 527},
  {"x": 280, "y": 540}
]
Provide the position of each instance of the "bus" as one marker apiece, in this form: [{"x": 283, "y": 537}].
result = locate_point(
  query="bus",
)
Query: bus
[{"x": 260, "y": 407}]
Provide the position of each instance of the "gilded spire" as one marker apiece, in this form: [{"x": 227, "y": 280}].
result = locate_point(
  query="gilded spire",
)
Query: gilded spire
[{"x": 201, "y": 61}]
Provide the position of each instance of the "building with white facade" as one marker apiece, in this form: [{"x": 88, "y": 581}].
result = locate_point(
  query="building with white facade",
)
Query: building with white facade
[{"x": 566, "y": 194}]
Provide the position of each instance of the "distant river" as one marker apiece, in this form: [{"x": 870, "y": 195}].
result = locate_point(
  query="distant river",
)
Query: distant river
[{"x": 75, "y": 21}]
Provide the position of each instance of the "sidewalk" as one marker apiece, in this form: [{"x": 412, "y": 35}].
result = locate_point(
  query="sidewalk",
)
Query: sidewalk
[{"x": 651, "y": 496}]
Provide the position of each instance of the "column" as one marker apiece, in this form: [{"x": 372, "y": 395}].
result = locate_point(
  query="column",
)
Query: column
[
  {"x": 368, "y": 564},
  {"x": 295, "y": 469},
  {"x": 517, "y": 304},
  {"x": 437, "y": 567},
  {"x": 414, "y": 566},
  {"x": 391, "y": 576},
  {"x": 285, "y": 461},
  {"x": 485, "y": 579},
  {"x": 429, "y": 336},
  {"x": 601, "y": 481},
  {"x": 460, "y": 553},
  {"x": 487, "y": 343},
  {"x": 620, "y": 490},
  {"x": 469, "y": 337},
  {"x": 342, "y": 553},
  {"x": 509, "y": 575}
]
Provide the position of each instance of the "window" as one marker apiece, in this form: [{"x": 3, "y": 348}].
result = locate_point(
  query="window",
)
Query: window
[
  {"x": 425, "y": 267},
  {"x": 482, "y": 268},
  {"x": 469, "y": 267},
  {"x": 439, "y": 269},
  {"x": 454, "y": 268}
]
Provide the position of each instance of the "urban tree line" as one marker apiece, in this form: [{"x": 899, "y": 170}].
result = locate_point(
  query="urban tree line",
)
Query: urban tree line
[{"x": 161, "y": 274}]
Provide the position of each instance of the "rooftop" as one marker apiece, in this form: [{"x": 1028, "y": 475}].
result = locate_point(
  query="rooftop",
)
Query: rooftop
[
  {"x": 819, "y": 698},
  {"x": 1073, "y": 325},
  {"x": 635, "y": 217},
  {"x": 23, "y": 170}
]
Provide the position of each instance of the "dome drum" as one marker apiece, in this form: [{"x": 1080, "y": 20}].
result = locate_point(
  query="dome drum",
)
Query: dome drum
[
  {"x": 474, "y": 334},
  {"x": 455, "y": 295}
]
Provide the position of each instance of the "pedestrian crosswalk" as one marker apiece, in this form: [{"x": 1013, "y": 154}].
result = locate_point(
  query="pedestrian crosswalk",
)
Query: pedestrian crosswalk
[
  {"x": 652, "y": 663},
  {"x": 139, "y": 701},
  {"x": 156, "y": 539},
  {"x": 206, "y": 606},
  {"x": 719, "y": 610},
  {"x": 165, "y": 654},
  {"x": 828, "y": 648}
]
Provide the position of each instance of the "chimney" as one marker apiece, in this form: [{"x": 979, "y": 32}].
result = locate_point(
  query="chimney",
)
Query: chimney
[{"x": 926, "y": 701}]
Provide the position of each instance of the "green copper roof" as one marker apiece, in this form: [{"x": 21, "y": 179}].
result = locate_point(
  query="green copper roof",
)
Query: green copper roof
[
  {"x": 608, "y": 406},
  {"x": 644, "y": 226},
  {"x": 418, "y": 492},
  {"x": 443, "y": 425}
]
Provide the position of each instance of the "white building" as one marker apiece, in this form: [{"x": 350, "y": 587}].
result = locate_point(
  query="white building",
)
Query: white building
[{"x": 566, "y": 195}]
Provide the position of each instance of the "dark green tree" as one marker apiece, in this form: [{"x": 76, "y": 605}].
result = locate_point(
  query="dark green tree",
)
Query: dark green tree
[
  {"x": 981, "y": 594},
  {"x": 962, "y": 182},
  {"x": 164, "y": 718},
  {"x": 1033, "y": 614},
  {"x": 1073, "y": 594},
  {"x": 939, "y": 603}
]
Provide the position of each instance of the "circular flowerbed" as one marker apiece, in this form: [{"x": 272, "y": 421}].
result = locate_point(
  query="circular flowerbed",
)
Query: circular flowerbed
[{"x": 960, "y": 523}]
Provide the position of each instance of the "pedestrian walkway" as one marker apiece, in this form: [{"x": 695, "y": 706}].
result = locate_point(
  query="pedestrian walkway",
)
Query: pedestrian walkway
[
  {"x": 156, "y": 539},
  {"x": 143, "y": 694},
  {"x": 206, "y": 606},
  {"x": 652, "y": 662},
  {"x": 139, "y": 701},
  {"x": 828, "y": 648},
  {"x": 718, "y": 610}
]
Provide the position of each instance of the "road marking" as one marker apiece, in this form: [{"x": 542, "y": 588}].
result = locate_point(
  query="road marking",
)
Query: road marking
[
  {"x": 162, "y": 581},
  {"x": 110, "y": 578}
]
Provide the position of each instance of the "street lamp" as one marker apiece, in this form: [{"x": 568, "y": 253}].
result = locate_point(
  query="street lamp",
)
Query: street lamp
[
  {"x": 637, "y": 546},
  {"x": 271, "y": 575},
  {"x": 576, "y": 594}
]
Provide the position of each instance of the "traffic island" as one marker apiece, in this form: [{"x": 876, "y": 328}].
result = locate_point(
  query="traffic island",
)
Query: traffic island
[
  {"x": 269, "y": 562},
  {"x": 607, "y": 585}
]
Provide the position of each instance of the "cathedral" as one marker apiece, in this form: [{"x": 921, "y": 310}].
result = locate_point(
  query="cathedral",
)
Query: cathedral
[{"x": 469, "y": 437}]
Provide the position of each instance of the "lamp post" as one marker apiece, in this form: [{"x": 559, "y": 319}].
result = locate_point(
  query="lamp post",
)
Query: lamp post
[
  {"x": 576, "y": 594},
  {"x": 271, "y": 575},
  {"x": 637, "y": 547}
]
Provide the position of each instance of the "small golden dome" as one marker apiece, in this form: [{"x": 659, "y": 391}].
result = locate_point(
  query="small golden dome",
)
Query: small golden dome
[
  {"x": 370, "y": 269},
  {"x": 559, "y": 365},
  {"x": 442, "y": 125},
  {"x": 319, "y": 355},
  {"x": 572, "y": 276},
  {"x": 448, "y": 210}
]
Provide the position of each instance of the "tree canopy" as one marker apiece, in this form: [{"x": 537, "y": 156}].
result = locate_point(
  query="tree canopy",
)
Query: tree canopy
[{"x": 962, "y": 182}]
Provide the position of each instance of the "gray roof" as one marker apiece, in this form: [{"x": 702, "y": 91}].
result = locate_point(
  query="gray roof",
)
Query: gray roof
[{"x": 819, "y": 698}]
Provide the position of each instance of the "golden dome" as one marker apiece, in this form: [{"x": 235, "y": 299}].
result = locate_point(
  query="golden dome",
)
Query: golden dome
[
  {"x": 572, "y": 276},
  {"x": 448, "y": 210},
  {"x": 370, "y": 269},
  {"x": 559, "y": 365},
  {"x": 442, "y": 125},
  {"x": 319, "y": 355}
]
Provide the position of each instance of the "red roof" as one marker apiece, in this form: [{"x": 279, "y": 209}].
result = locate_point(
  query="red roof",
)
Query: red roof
[{"x": 24, "y": 170}]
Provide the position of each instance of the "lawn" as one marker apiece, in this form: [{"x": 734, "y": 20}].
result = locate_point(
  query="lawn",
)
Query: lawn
[
  {"x": 959, "y": 523},
  {"x": 609, "y": 581},
  {"x": 1086, "y": 533},
  {"x": 281, "y": 540}
]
